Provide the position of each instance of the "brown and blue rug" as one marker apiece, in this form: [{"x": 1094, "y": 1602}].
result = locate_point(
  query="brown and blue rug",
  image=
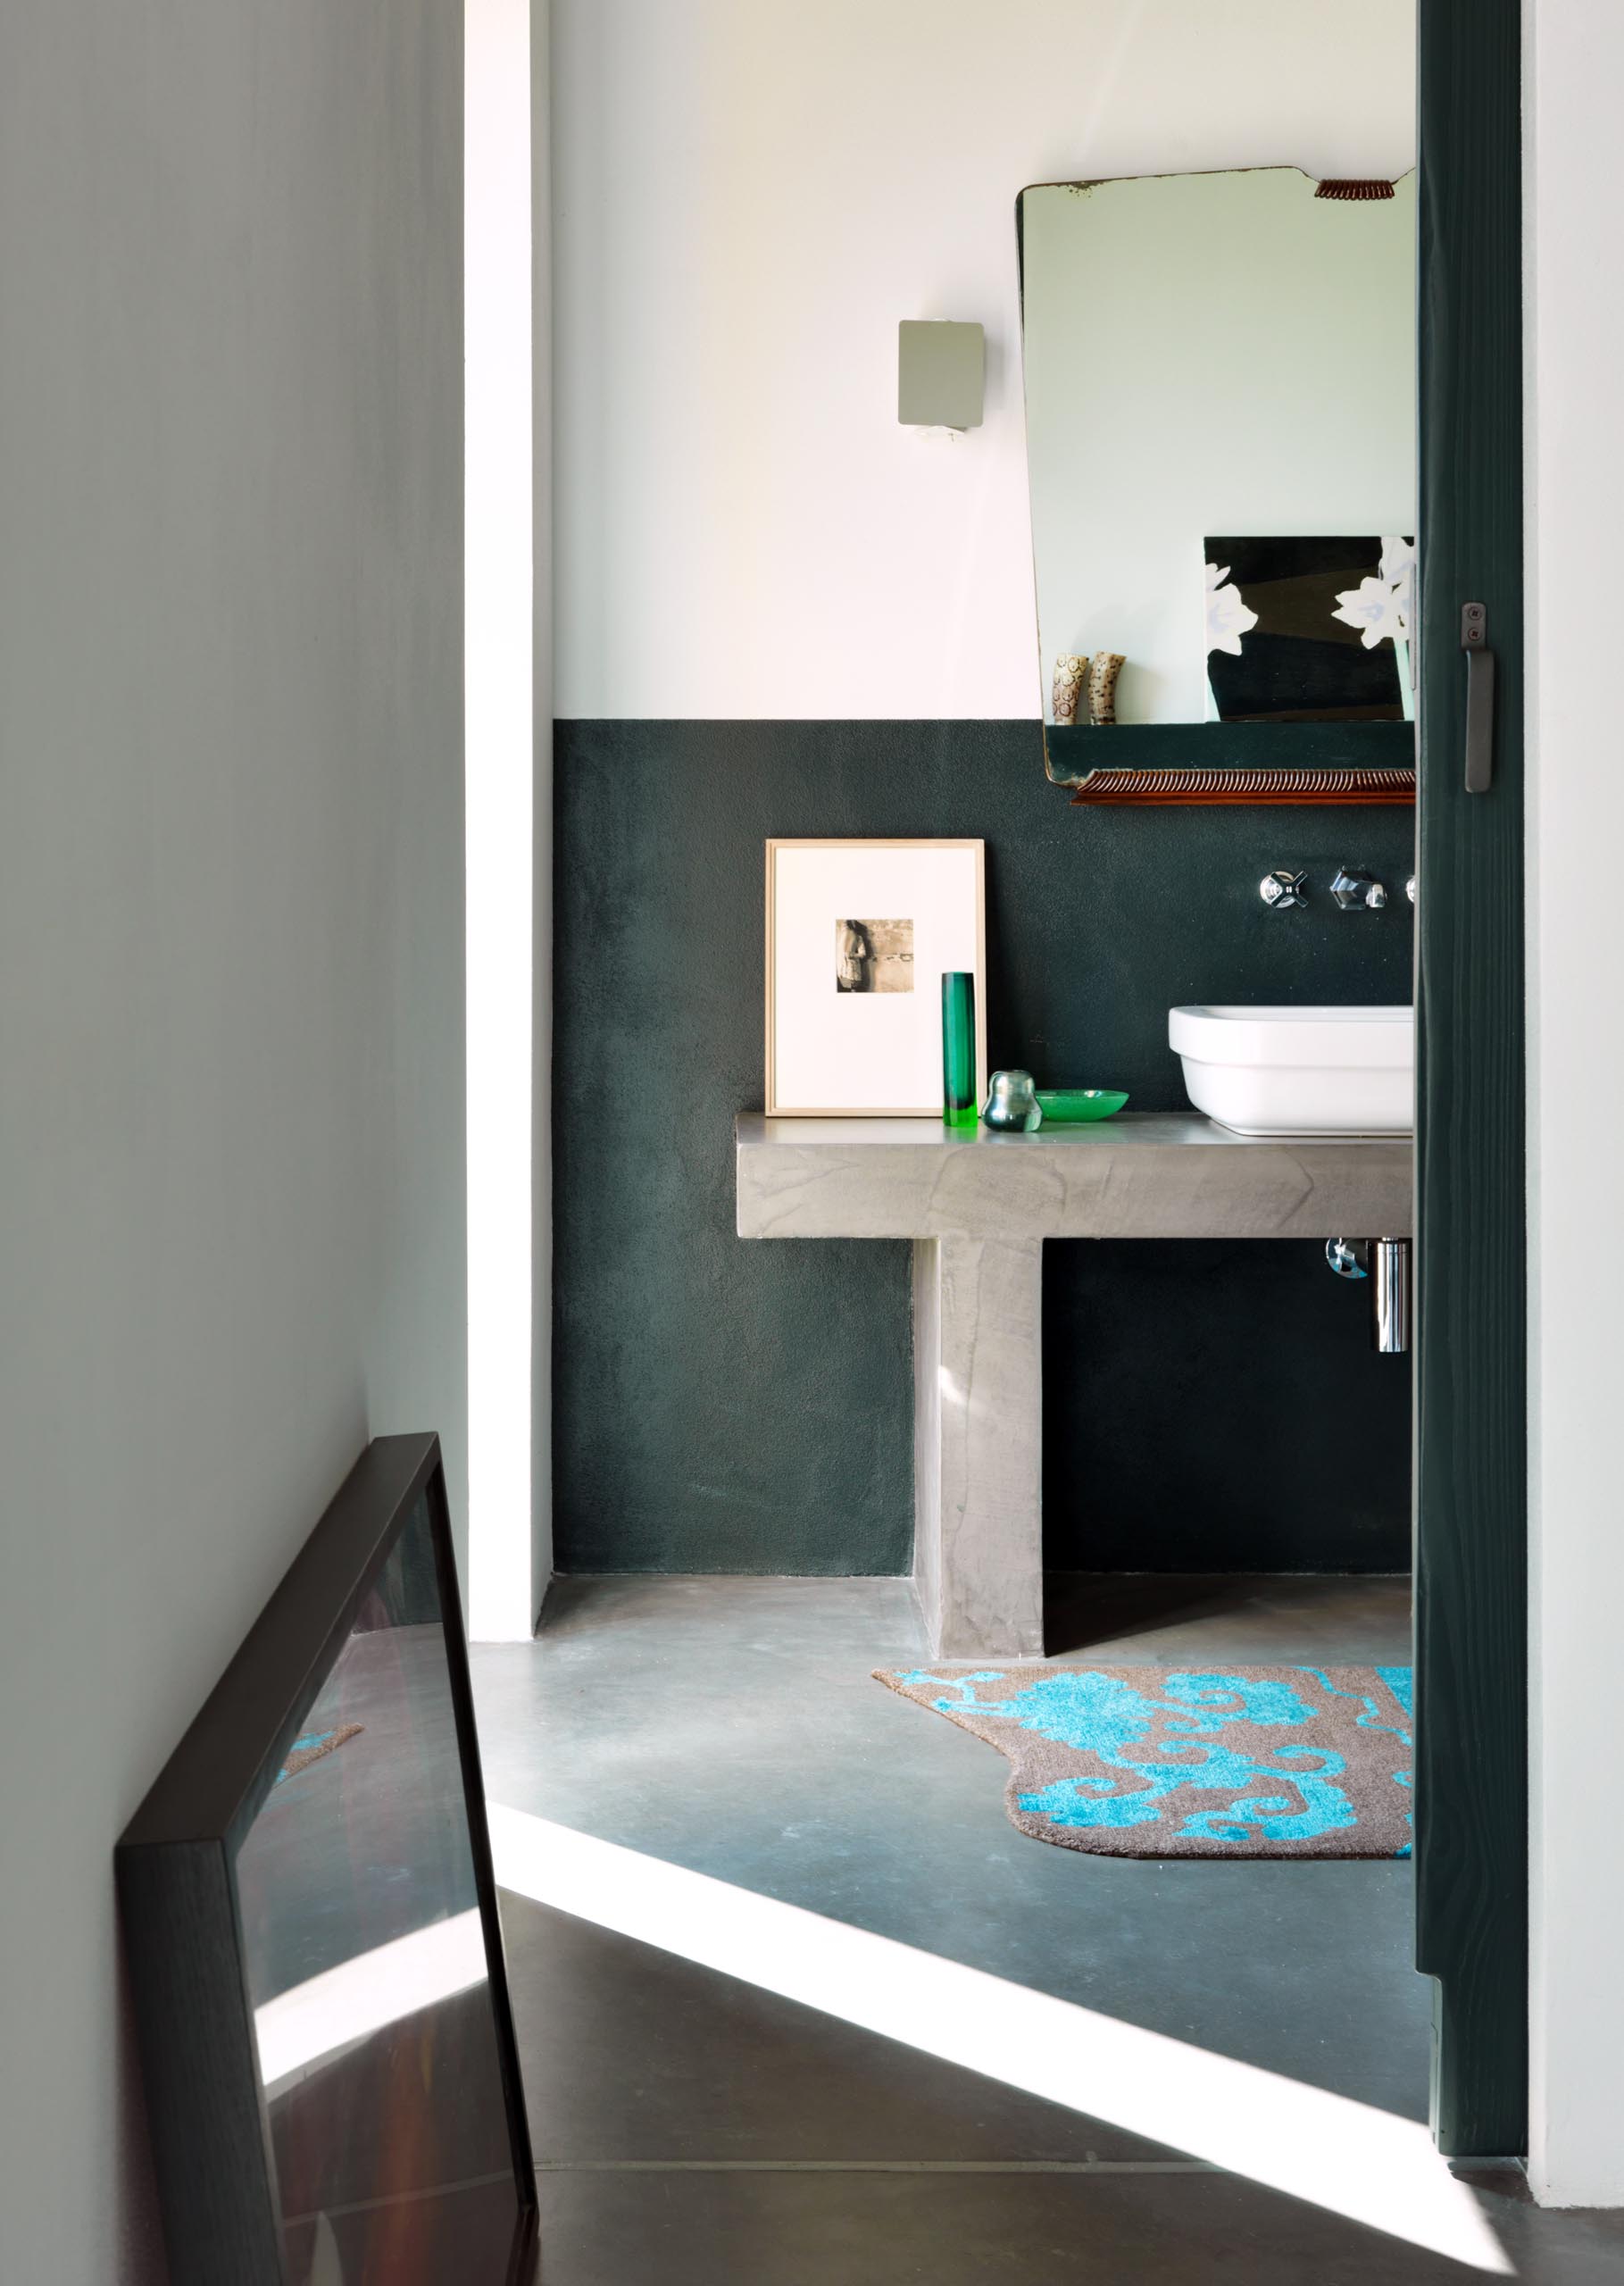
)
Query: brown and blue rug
[
  {"x": 315, "y": 1747},
  {"x": 1166, "y": 1762}
]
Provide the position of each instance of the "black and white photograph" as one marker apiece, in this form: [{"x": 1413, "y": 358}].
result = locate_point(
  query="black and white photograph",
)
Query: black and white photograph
[{"x": 873, "y": 955}]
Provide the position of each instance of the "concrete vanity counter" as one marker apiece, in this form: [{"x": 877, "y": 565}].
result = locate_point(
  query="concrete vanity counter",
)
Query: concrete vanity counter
[
  {"x": 979, "y": 1206},
  {"x": 1156, "y": 1175}
]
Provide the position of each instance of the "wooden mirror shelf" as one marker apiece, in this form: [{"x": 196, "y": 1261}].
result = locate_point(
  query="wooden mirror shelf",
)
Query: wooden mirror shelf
[{"x": 1347, "y": 765}]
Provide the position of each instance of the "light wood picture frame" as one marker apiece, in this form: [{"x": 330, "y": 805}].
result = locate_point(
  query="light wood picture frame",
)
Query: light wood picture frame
[{"x": 858, "y": 933}]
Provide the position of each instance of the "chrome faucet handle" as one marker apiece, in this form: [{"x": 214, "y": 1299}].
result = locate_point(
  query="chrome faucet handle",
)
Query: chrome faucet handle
[
  {"x": 1352, "y": 890},
  {"x": 1283, "y": 888}
]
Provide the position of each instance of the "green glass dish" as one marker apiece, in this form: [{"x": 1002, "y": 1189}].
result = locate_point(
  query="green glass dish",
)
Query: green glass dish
[{"x": 1070, "y": 1107}]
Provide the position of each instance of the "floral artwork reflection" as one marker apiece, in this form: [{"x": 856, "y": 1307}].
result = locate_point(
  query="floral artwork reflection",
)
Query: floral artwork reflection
[{"x": 1310, "y": 629}]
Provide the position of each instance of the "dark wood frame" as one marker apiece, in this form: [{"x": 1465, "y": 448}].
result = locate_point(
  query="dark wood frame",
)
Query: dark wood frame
[
  {"x": 1279, "y": 765},
  {"x": 1472, "y": 1405},
  {"x": 175, "y": 1869}
]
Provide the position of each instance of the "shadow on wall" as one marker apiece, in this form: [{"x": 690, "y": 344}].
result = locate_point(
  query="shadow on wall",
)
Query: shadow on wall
[{"x": 725, "y": 1407}]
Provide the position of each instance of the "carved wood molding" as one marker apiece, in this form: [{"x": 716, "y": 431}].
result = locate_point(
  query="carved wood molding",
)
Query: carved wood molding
[{"x": 1282, "y": 786}]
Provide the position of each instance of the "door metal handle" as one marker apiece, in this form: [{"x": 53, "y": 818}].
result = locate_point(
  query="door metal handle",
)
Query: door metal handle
[{"x": 1479, "y": 698}]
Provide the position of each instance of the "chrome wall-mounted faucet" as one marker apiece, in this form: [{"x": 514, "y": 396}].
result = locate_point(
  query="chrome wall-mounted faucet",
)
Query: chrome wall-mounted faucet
[{"x": 1355, "y": 891}]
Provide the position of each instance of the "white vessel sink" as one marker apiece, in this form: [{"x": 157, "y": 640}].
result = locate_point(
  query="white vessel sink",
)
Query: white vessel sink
[{"x": 1299, "y": 1071}]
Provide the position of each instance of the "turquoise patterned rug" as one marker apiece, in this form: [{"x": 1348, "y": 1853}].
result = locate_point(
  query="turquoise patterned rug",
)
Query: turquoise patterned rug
[{"x": 1161, "y": 1762}]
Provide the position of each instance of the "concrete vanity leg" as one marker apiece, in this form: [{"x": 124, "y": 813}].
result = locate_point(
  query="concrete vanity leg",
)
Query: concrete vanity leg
[{"x": 977, "y": 1445}]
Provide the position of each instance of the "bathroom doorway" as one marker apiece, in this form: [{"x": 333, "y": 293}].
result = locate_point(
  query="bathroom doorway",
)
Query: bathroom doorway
[{"x": 765, "y": 1869}]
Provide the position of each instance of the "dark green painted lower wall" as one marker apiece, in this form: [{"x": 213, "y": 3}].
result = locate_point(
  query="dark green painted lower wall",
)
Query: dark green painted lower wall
[{"x": 725, "y": 1407}]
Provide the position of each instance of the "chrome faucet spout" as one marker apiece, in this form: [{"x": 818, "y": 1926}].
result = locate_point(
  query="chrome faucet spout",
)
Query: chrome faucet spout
[{"x": 1355, "y": 891}]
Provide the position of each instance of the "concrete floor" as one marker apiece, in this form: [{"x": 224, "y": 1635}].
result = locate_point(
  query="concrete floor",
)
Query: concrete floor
[{"x": 692, "y": 2127}]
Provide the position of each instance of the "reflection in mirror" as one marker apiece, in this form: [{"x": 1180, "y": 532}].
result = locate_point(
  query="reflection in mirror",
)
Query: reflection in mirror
[
  {"x": 366, "y": 1966},
  {"x": 1220, "y": 375}
]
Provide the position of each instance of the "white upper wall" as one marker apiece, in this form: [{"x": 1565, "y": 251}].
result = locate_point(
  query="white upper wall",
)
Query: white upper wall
[
  {"x": 1575, "y": 54},
  {"x": 750, "y": 194},
  {"x": 231, "y": 920}
]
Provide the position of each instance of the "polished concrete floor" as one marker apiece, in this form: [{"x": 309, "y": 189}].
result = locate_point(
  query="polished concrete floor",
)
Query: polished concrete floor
[{"x": 694, "y": 2127}]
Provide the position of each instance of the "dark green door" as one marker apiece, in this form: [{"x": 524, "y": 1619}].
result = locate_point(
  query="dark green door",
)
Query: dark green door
[{"x": 1471, "y": 1813}]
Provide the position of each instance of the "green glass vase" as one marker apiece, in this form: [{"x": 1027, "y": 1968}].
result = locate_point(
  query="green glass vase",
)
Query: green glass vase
[{"x": 959, "y": 1048}]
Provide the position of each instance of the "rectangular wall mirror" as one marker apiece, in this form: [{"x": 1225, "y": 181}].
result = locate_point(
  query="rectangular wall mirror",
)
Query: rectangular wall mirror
[{"x": 1220, "y": 375}]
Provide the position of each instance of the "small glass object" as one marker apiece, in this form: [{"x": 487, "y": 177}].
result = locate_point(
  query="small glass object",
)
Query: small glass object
[
  {"x": 1011, "y": 1103},
  {"x": 959, "y": 1048}
]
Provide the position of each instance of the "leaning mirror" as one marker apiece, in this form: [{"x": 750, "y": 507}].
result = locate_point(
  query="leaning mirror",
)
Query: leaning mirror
[{"x": 1220, "y": 374}]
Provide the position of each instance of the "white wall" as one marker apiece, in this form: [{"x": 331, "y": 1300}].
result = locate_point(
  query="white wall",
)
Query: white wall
[
  {"x": 1576, "y": 1100},
  {"x": 230, "y": 917},
  {"x": 749, "y": 195},
  {"x": 508, "y": 612}
]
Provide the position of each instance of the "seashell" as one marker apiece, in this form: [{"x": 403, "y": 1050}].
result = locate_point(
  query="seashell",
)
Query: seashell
[
  {"x": 1107, "y": 665},
  {"x": 1069, "y": 673}
]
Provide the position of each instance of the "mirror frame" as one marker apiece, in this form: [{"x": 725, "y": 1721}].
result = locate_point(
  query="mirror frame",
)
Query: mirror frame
[
  {"x": 176, "y": 1867},
  {"x": 1347, "y": 765}
]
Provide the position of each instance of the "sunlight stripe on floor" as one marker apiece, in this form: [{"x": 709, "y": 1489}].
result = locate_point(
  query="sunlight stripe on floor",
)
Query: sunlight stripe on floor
[{"x": 1347, "y": 2158}]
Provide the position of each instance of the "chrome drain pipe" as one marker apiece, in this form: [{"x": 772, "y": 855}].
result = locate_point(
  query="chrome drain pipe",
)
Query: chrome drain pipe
[
  {"x": 1386, "y": 1263},
  {"x": 1390, "y": 1292}
]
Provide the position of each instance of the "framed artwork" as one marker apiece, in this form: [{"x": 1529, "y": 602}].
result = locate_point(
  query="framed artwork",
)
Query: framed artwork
[
  {"x": 859, "y": 936},
  {"x": 309, "y": 1914}
]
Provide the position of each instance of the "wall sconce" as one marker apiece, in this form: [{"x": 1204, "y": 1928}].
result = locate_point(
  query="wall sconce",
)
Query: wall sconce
[{"x": 941, "y": 374}]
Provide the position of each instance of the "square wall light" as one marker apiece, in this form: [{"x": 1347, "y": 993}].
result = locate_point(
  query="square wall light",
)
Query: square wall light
[{"x": 941, "y": 374}]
